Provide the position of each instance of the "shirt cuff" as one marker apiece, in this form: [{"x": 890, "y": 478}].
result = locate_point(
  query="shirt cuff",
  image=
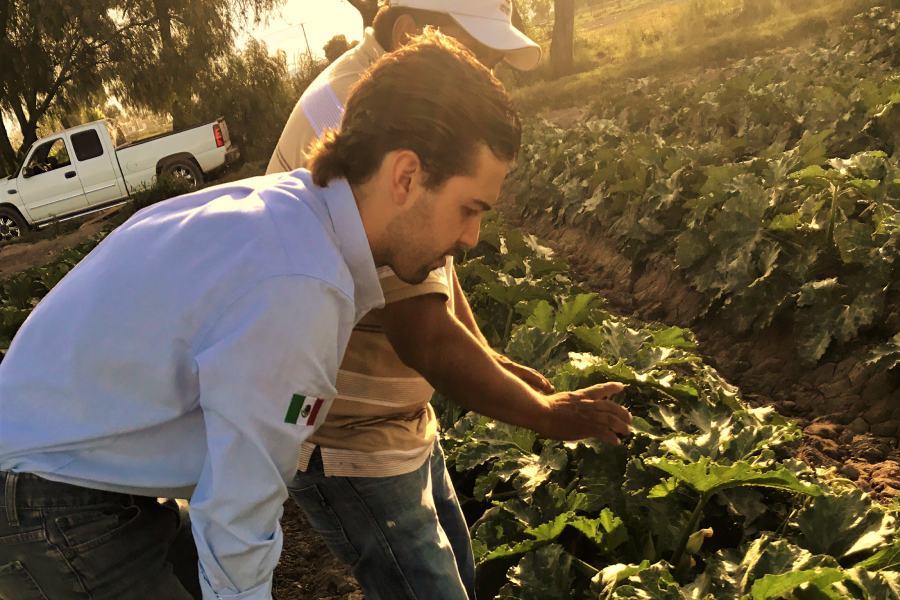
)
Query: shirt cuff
[
  {"x": 261, "y": 592},
  {"x": 395, "y": 289}
]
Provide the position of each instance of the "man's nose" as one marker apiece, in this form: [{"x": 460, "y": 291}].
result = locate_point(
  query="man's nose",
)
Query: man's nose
[{"x": 469, "y": 238}]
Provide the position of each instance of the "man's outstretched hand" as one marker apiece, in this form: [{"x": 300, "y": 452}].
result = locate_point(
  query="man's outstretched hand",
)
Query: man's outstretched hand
[
  {"x": 535, "y": 380},
  {"x": 586, "y": 413}
]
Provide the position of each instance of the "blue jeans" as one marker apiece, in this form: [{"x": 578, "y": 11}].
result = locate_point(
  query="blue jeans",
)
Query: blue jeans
[
  {"x": 63, "y": 542},
  {"x": 404, "y": 537}
]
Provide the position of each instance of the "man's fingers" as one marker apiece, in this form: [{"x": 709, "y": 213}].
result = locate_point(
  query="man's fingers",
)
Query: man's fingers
[
  {"x": 541, "y": 383},
  {"x": 532, "y": 377},
  {"x": 608, "y": 438},
  {"x": 590, "y": 413},
  {"x": 604, "y": 404},
  {"x": 602, "y": 390},
  {"x": 607, "y": 414},
  {"x": 619, "y": 426}
]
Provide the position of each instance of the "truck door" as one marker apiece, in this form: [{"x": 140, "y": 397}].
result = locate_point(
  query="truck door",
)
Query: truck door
[
  {"x": 97, "y": 169},
  {"x": 48, "y": 184}
]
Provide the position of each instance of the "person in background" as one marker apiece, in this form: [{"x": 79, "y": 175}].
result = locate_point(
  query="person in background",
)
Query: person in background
[{"x": 372, "y": 480}]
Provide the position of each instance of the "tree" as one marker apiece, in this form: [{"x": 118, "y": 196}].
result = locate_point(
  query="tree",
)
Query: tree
[
  {"x": 535, "y": 16},
  {"x": 59, "y": 56},
  {"x": 256, "y": 93},
  {"x": 562, "y": 46},
  {"x": 336, "y": 46},
  {"x": 163, "y": 66},
  {"x": 55, "y": 55},
  {"x": 367, "y": 8}
]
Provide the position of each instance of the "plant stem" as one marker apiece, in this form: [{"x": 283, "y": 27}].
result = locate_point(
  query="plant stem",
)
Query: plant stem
[
  {"x": 508, "y": 328},
  {"x": 586, "y": 568},
  {"x": 832, "y": 217},
  {"x": 693, "y": 522}
]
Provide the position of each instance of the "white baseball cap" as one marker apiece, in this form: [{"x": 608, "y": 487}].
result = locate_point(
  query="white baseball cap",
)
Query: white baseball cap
[{"x": 489, "y": 22}]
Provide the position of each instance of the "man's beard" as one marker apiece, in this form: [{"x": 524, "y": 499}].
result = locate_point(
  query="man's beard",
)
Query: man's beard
[
  {"x": 414, "y": 280},
  {"x": 415, "y": 277},
  {"x": 413, "y": 228}
]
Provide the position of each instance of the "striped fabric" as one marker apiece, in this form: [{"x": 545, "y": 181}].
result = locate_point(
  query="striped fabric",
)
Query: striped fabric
[
  {"x": 381, "y": 423},
  {"x": 322, "y": 107}
]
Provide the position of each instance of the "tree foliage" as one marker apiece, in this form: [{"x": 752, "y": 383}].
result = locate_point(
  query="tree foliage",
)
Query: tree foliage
[
  {"x": 60, "y": 55},
  {"x": 55, "y": 55},
  {"x": 163, "y": 65},
  {"x": 336, "y": 46},
  {"x": 255, "y": 92}
]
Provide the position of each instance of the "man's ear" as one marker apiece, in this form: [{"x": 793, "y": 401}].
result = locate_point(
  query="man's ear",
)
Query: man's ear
[
  {"x": 404, "y": 28},
  {"x": 406, "y": 170}
]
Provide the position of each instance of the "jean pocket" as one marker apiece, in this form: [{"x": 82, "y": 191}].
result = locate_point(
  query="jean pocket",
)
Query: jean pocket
[
  {"x": 16, "y": 582},
  {"x": 87, "y": 529},
  {"x": 118, "y": 551},
  {"x": 326, "y": 522}
]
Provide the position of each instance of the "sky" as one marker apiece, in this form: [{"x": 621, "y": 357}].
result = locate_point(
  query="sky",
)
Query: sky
[{"x": 323, "y": 19}]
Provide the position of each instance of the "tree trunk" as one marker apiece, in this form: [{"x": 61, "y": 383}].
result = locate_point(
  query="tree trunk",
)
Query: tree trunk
[
  {"x": 29, "y": 137},
  {"x": 367, "y": 8},
  {"x": 169, "y": 57},
  {"x": 562, "y": 47},
  {"x": 8, "y": 161},
  {"x": 7, "y": 153}
]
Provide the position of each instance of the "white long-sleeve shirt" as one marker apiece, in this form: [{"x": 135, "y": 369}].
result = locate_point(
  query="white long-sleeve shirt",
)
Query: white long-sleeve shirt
[{"x": 190, "y": 354}]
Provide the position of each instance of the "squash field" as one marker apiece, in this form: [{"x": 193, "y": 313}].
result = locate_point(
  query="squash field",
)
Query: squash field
[{"x": 771, "y": 186}]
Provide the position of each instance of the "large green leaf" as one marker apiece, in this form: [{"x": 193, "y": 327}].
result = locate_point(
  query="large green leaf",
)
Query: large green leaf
[
  {"x": 845, "y": 525},
  {"x": 854, "y": 241},
  {"x": 732, "y": 438},
  {"x": 541, "y": 575},
  {"x": 886, "y": 356},
  {"x": 821, "y": 302},
  {"x": 867, "y": 585},
  {"x": 734, "y": 573},
  {"x": 576, "y": 310},
  {"x": 607, "y": 532},
  {"x": 601, "y": 471},
  {"x": 690, "y": 246},
  {"x": 774, "y": 587},
  {"x": 885, "y": 559},
  {"x": 650, "y": 582},
  {"x": 705, "y": 476},
  {"x": 675, "y": 337},
  {"x": 534, "y": 346}
]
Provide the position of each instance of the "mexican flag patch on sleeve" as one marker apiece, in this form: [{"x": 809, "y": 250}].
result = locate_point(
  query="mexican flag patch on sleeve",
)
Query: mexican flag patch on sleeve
[{"x": 303, "y": 408}]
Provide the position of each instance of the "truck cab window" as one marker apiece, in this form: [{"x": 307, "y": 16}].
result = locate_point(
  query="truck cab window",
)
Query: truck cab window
[
  {"x": 47, "y": 157},
  {"x": 86, "y": 145}
]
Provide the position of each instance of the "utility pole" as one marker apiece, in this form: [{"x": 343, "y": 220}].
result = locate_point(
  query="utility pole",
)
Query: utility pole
[{"x": 308, "y": 51}]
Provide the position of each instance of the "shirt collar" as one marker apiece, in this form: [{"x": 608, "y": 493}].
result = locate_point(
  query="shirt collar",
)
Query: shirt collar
[
  {"x": 354, "y": 244},
  {"x": 369, "y": 47}
]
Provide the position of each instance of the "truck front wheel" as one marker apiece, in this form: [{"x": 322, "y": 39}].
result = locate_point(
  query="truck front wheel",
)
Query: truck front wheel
[
  {"x": 186, "y": 170},
  {"x": 12, "y": 225}
]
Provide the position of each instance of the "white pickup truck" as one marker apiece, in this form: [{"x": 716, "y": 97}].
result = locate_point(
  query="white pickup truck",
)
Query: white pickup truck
[{"x": 82, "y": 170}]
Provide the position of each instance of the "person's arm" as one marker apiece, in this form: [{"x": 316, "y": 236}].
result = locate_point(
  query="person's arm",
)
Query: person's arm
[
  {"x": 295, "y": 139},
  {"x": 430, "y": 339},
  {"x": 463, "y": 312},
  {"x": 262, "y": 369}
]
